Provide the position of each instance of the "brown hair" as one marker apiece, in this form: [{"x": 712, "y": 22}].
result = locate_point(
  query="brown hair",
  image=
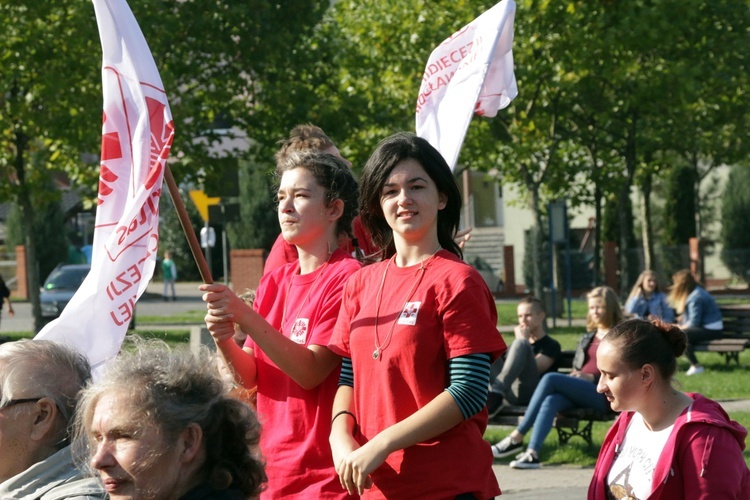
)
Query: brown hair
[
  {"x": 247, "y": 296},
  {"x": 637, "y": 290},
  {"x": 536, "y": 304},
  {"x": 305, "y": 137},
  {"x": 683, "y": 284},
  {"x": 640, "y": 342},
  {"x": 611, "y": 305}
]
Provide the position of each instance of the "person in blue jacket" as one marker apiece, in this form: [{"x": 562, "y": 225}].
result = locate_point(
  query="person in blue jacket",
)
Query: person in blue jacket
[
  {"x": 700, "y": 317},
  {"x": 647, "y": 299}
]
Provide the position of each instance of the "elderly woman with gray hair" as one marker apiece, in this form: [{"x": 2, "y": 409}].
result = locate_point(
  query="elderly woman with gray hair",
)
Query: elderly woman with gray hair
[{"x": 160, "y": 423}]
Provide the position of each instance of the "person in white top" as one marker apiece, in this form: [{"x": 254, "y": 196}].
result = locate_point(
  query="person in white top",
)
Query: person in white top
[{"x": 665, "y": 443}]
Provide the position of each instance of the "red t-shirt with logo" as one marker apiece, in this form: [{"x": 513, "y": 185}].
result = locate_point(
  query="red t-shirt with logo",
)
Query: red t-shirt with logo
[
  {"x": 296, "y": 422},
  {"x": 450, "y": 313}
]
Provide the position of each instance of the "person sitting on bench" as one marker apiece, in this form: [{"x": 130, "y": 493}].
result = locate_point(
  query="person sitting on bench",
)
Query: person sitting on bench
[
  {"x": 700, "y": 317},
  {"x": 532, "y": 353},
  {"x": 559, "y": 392}
]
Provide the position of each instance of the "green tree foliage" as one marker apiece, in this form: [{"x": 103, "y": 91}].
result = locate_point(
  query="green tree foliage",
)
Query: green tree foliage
[
  {"x": 679, "y": 207},
  {"x": 172, "y": 237},
  {"x": 358, "y": 74},
  {"x": 259, "y": 225},
  {"x": 735, "y": 213},
  {"x": 211, "y": 56},
  {"x": 51, "y": 243}
]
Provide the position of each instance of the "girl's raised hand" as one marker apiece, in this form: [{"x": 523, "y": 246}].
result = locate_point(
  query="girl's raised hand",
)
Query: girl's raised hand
[{"x": 222, "y": 306}]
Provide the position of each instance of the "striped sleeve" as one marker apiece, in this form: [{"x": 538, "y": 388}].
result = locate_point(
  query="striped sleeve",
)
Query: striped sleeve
[
  {"x": 347, "y": 373},
  {"x": 469, "y": 381}
]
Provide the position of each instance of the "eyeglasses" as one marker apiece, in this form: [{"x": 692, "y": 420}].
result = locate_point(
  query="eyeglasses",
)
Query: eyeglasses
[{"x": 14, "y": 402}]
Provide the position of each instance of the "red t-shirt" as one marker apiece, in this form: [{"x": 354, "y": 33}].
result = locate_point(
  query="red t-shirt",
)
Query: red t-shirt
[
  {"x": 296, "y": 422},
  {"x": 450, "y": 313},
  {"x": 283, "y": 252}
]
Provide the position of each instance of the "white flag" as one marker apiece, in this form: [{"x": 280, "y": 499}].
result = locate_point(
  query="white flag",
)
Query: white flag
[
  {"x": 137, "y": 133},
  {"x": 470, "y": 72}
]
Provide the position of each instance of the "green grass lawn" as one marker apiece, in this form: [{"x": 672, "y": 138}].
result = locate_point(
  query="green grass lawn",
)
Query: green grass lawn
[
  {"x": 187, "y": 318},
  {"x": 507, "y": 311}
]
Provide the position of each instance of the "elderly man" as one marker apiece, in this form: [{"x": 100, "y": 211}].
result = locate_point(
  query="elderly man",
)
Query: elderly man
[{"x": 39, "y": 383}]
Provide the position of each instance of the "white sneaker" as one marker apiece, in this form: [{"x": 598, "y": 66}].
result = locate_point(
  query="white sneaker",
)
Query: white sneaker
[
  {"x": 525, "y": 460},
  {"x": 506, "y": 448},
  {"x": 695, "y": 370}
]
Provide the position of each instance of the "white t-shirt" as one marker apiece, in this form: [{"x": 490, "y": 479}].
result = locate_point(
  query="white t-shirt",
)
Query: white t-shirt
[{"x": 633, "y": 470}]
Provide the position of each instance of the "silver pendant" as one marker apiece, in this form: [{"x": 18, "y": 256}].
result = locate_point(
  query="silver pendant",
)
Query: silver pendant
[{"x": 376, "y": 353}]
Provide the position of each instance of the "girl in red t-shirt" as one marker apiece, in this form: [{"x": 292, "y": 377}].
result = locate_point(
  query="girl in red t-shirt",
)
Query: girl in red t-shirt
[
  {"x": 289, "y": 326},
  {"x": 417, "y": 332}
]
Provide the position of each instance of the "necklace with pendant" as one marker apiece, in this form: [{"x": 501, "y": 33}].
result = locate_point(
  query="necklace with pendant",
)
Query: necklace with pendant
[{"x": 379, "y": 348}]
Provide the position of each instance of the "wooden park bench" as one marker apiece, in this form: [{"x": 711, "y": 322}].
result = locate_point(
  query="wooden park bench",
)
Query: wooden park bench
[
  {"x": 736, "y": 334},
  {"x": 576, "y": 422}
]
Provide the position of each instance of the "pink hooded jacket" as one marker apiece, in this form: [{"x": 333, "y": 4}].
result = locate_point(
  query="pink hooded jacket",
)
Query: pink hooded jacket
[{"x": 701, "y": 459}]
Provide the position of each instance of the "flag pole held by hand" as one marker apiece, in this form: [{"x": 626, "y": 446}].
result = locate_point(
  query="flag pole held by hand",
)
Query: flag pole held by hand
[{"x": 187, "y": 227}]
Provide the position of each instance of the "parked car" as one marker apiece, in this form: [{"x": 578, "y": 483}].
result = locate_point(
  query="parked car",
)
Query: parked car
[
  {"x": 494, "y": 283},
  {"x": 60, "y": 286}
]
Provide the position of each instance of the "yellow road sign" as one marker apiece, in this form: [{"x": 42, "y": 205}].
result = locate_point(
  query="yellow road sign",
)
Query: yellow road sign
[{"x": 202, "y": 202}]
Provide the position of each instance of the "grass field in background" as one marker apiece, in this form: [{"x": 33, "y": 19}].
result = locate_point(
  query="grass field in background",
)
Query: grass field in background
[{"x": 187, "y": 318}]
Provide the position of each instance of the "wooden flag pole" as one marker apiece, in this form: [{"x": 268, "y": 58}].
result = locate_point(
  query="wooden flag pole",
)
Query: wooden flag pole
[{"x": 187, "y": 227}]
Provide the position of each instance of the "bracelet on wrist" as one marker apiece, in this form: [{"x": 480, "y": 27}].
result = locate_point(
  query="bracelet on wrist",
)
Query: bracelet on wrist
[{"x": 347, "y": 412}]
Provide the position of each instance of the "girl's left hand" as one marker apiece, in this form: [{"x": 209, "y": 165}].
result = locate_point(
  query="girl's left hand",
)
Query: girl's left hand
[
  {"x": 357, "y": 466},
  {"x": 222, "y": 304}
]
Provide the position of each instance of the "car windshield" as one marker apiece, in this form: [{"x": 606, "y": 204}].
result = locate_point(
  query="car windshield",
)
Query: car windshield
[{"x": 66, "y": 279}]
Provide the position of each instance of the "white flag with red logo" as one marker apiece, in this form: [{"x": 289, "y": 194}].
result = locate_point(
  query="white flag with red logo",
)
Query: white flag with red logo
[
  {"x": 470, "y": 72},
  {"x": 137, "y": 133}
]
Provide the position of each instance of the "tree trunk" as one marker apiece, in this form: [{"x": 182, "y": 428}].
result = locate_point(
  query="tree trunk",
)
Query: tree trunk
[
  {"x": 649, "y": 257},
  {"x": 27, "y": 215},
  {"x": 697, "y": 196},
  {"x": 537, "y": 246},
  {"x": 623, "y": 243},
  {"x": 597, "y": 235},
  {"x": 625, "y": 218}
]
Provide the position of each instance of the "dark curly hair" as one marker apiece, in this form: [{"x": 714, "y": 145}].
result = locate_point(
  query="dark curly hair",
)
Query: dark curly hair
[
  {"x": 332, "y": 174},
  {"x": 171, "y": 389},
  {"x": 391, "y": 151},
  {"x": 653, "y": 341}
]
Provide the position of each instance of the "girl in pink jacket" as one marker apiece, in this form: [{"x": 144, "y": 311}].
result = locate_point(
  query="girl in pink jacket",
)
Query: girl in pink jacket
[{"x": 665, "y": 444}]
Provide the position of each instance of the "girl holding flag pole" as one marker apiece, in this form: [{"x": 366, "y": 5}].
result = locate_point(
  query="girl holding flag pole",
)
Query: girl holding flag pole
[{"x": 289, "y": 325}]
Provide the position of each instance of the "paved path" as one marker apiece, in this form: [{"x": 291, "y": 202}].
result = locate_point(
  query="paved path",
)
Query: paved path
[{"x": 555, "y": 481}]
